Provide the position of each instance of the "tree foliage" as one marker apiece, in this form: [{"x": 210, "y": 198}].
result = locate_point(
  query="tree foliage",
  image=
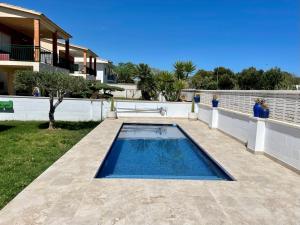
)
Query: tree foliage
[
  {"x": 248, "y": 79},
  {"x": 169, "y": 85},
  {"x": 146, "y": 82},
  {"x": 58, "y": 85},
  {"x": 183, "y": 69},
  {"x": 53, "y": 84},
  {"x": 125, "y": 72}
]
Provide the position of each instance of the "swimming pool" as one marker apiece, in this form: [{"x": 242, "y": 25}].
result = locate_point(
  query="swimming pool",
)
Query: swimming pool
[{"x": 158, "y": 151}]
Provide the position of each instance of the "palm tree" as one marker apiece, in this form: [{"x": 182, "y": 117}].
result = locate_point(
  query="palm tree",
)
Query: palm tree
[
  {"x": 184, "y": 69},
  {"x": 179, "y": 69},
  {"x": 146, "y": 81},
  {"x": 189, "y": 68}
]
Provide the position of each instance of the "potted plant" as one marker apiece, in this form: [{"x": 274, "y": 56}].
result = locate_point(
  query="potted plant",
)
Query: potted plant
[
  {"x": 257, "y": 108},
  {"x": 215, "y": 101},
  {"x": 197, "y": 98},
  {"x": 112, "y": 114},
  {"x": 192, "y": 114},
  {"x": 264, "y": 111}
]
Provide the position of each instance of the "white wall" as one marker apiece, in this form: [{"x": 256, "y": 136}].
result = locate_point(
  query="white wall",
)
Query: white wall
[
  {"x": 204, "y": 113},
  {"x": 151, "y": 109},
  {"x": 31, "y": 108},
  {"x": 235, "y": 124},
  {"x": 278, "y": 139},
  {"x": 283, "y": 142}
]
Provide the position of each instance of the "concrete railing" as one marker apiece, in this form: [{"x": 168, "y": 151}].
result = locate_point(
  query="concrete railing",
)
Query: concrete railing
[
  {"x": 284, "y": 105},
  {"x": 276, "y": 139}
]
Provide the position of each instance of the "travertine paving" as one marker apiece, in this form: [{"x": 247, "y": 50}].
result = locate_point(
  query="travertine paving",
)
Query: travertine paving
[{"x": 67, "y": 193}]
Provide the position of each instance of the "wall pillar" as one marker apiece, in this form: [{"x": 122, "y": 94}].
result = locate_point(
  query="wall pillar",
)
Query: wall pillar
[
  {"x": 214, "y": 119},
  {"x": 84, "y": 62},
  {"x": 95, "y": 66},
  {"x": 10, "y": 84},
  {"x": 36, "y": 39},
  {"x": 67, "y": 50},
  {"x": 257, "y": 131},
  {"x": 54, "y": 49}
]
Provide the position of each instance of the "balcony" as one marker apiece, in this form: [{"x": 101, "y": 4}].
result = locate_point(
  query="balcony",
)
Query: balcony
[
  {"x": 79, "y": 69},
  {"x": 27, "y": 53}
]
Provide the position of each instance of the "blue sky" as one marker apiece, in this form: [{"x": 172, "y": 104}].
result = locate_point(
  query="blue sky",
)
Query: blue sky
[{"x": 231, "y": 33}]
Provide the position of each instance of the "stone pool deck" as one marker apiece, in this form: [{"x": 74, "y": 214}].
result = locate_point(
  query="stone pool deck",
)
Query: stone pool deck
[{"x": 67, "y": 193}]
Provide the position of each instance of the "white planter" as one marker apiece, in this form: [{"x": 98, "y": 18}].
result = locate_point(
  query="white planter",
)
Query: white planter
[
  {"x": 193, "y": 116},
  {"x": 112, "y": 115}
]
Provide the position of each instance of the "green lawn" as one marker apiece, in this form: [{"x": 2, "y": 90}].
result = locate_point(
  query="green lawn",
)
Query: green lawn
[{"x": 29, "y": 148}]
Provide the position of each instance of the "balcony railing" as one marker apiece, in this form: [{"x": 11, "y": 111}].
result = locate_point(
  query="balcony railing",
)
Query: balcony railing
[
  {"x": 90, "y": 71},
  {"x": 27, "y": 53}
]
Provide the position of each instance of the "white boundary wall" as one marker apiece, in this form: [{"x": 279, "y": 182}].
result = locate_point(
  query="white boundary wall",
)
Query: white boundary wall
[
  {"x": 152, "y": 109},
  {"x": 32, "y": 108},
  {"x": 277, "y": 139},
  {"x": 71, "y": 109}
]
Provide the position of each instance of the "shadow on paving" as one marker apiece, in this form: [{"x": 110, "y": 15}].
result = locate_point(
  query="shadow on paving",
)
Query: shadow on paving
[{"x": 71, "y": 125}]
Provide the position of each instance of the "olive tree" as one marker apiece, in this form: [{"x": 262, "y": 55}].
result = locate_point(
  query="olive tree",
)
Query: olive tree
[{"x": 53, "y": 84}]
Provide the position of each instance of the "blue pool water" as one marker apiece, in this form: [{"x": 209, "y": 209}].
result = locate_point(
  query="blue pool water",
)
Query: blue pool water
[{"x": 158, "y": 151}]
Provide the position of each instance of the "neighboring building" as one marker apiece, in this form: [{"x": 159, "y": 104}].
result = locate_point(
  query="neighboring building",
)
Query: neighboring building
[
  {"x": 104, "y": 70},
  {"x": 21, "y": 32},
  {"x": 83, "y": 59},
  {"x": 86, "y": 63}
]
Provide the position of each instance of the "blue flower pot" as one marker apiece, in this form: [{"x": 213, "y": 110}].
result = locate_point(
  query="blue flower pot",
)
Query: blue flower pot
[
  {"x": 197, "y": 99},
  {"x": 215, "y": 103},
  {"x": 264, "y": 113},
  {"x": 256, "y": 109}
]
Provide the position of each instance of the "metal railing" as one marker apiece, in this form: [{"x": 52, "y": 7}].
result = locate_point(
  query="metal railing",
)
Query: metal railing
[
  {"x": 17, "y": 53},
  {"x": 27, "y": 53},
  {"x": 90, "y": 71}
]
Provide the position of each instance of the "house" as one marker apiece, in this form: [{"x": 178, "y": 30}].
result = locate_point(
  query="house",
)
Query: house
[
  {"x": 103, "y": 70},
  {"x": 21, "y": 33},
  {"x": 83, "y": 60},
  {"x": 86, "y": 63}
]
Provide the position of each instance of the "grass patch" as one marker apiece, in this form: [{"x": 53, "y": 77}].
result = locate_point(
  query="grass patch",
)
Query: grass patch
[{"x": 29, "y": 148}]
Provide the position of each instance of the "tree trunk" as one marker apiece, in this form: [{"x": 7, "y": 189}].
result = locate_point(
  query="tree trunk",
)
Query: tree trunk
[
  {"x": 51, "y": 114},
  {"x": 53, "y": 107}
]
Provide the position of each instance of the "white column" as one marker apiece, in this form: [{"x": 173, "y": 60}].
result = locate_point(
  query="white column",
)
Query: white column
[
  {"x": 257, "y": 132},
  {"x": 213, "y": 122}
]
